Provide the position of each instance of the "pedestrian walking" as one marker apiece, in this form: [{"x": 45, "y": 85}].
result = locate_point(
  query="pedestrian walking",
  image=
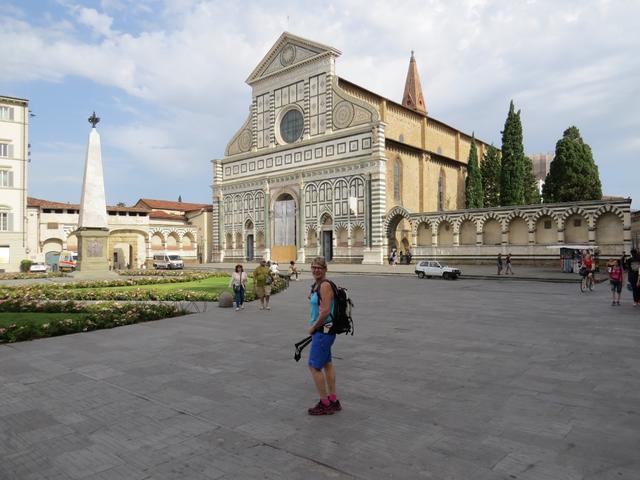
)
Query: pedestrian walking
[
  {"x": 508, "y": 270},
  {"x": 262, "y": 281},
  {"x": 499, "y": 262},
  {"x": 615, "y": 279},
  {"x": 632, "y": 268},
  {"x": 239, "y": 284},
  {"x": 320, "y": 365}
]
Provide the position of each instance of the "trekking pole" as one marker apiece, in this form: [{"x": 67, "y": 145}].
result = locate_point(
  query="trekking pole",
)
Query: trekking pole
[{"x": 301, "y": 346}]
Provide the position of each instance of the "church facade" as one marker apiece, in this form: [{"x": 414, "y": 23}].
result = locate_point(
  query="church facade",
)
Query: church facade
[{"x": 322, "y": 166}]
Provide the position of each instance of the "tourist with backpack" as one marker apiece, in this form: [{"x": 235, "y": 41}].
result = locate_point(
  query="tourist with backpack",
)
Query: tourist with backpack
[{"x": 322, "y": 302}]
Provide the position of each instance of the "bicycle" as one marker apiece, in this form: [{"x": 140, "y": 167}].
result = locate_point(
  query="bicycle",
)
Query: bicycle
[{"x": 587, "y": 282}]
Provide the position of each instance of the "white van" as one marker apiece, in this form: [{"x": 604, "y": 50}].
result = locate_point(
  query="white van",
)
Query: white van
[
  {"x": 169, "y": 262},
  {"x": 68, "y": 261}
]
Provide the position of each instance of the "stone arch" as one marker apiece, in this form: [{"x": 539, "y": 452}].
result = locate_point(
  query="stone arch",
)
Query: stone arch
[
  {"x": 576, "y": 227},
  {"x": 342, "y": 236},
  {"x": 312, "y": 237},
  {"x": 228, "y": 241},
  {"x": 172, "y": 241},
  {"x": 397, "y": 237},
  {"x": 357, "y": 235},
  {"x": 188, "y": 241},
  {"x": 546, "y": 228},
  {"x": 445, "y": 232},
  {"x": 609, "y": 229},
  {"x": 157, "y": 241},
  {"x": 239, "y": 240},
  {"x": 467, "y": 229},
  {"x": 424, "y": 233},
  {"x": 52, "y": 244},
  {"x": 491, "y": 230},
  {"x": 260, "y": 239},
  {"x": 518, "y": 228}
]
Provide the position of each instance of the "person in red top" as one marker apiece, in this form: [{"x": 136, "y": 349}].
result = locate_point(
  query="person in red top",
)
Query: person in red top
[{"x": 587, "y": 264}]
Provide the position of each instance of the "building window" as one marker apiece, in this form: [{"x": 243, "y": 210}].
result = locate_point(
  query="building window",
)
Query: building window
[
  {"x": 577, "y": 222},
  {"x": 291, "y": 126},
  {"x": 6, "y": 150},
  {"x": 441, "y": 192},
  {"x": 6, "y": 178},
  {"x": 6, "y": 113},
  {"x": 547, "y": 224},
  {"x": 397, "y": 178},
  {"x": 6, "y": 221}
]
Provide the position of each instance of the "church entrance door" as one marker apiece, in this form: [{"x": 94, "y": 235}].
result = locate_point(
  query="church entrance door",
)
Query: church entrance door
[
  {"x": 250, "y": 247},
  {"x": 327, "y": 245},
  {"x": 283, "y": 249}
]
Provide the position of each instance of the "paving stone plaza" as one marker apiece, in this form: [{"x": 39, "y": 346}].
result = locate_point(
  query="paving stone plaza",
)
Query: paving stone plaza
[{"x": 474, "y": 379}]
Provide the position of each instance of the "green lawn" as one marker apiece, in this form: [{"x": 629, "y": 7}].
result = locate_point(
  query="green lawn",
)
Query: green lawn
[
  {"x": 37, "y": 318},
  {"x": 208, "y": 285}
]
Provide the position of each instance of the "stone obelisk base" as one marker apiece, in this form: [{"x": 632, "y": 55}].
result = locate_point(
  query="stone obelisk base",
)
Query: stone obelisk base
[{"x": 93, "y": 254}]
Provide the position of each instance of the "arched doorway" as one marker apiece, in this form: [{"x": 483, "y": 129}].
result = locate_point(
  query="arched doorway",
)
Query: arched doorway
[
  {"x": 248, "y": 228},
  {"x": 284, "y": 229},
  {"x": 399, "y": 233},
  {"x": 327, "y": 236}
]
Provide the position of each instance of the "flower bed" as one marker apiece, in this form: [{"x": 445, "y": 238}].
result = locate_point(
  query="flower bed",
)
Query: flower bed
[
  {"x": 100, "y": 291},
  {"x": 98, "y": 316},
  {"x": 25, "y": 275},
  {"x": 166, "y": 273}
]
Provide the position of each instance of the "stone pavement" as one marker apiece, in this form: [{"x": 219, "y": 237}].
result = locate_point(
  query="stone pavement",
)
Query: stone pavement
[
  {"x": 486, "y": 272},
  {"x": 442, "y": 380}
]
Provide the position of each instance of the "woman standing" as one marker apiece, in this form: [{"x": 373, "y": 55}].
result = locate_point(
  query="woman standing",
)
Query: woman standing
[{"x": 239, "y": 284}]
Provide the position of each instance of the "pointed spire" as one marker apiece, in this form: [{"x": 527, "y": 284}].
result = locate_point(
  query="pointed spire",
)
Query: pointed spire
[{"x": 413, "y": 97}]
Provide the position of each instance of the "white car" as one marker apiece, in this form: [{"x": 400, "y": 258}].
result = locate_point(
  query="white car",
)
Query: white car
[
  {"x": 432, "y": 268},
  {"x": 38, "y": 268}
]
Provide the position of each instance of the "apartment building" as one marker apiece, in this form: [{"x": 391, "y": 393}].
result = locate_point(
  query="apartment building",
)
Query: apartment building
[{"x": 14, "y": 158}]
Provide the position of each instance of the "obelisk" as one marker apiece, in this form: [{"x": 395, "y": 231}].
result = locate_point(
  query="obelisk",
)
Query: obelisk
[{"x": 93, "y": 232}]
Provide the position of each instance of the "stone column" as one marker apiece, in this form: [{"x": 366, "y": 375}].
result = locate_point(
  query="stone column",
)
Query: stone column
[
  {"x": 376, "y": 251},
  {"x": 301, "y": 222},
  {"x": 267, "y": 222}
]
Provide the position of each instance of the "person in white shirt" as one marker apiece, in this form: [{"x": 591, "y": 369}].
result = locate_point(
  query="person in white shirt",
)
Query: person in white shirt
[{"x": 239, "y": 284}]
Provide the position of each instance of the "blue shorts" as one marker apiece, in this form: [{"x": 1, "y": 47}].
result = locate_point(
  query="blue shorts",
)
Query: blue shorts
[{"x": 320, "y": 353}]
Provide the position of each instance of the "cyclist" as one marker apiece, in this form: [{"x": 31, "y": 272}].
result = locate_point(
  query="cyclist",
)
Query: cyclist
[{"x": 587, "y": 267}]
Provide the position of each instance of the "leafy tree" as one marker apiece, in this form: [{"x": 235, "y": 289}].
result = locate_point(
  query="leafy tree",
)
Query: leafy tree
[
  {"x": 473, "y": 193},
  {"x": 513, "y": 171},
  {"x": 490, "y": 170},
  {"x": 573, "y": 175},
  {"x": 120, "y": 204},
  {"x": 531, "y": 193}
]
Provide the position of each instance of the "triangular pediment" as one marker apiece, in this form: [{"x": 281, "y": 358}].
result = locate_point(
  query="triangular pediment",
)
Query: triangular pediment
[{"x": 288, "y": 52}]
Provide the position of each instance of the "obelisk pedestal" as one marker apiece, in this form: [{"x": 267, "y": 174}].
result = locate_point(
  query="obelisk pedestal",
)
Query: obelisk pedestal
[{"x": 93, "y": 232}]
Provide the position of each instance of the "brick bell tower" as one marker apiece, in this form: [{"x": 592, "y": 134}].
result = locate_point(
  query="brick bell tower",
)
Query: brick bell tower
[{"x": 413, "y": 97}]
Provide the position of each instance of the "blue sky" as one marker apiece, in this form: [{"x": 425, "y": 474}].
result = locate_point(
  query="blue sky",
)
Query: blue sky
[{"x": 167, "y": 78}]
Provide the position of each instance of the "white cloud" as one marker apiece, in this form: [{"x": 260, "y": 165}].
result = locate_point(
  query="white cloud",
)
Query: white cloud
[{"x": 564, "y": 63}]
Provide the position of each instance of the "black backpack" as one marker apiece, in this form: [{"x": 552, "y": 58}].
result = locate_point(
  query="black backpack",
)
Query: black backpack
[{"x": 341, "y": 314}]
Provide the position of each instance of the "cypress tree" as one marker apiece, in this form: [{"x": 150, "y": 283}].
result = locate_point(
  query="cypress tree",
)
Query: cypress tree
[
  {"x": 573, "y": 175},
  {"x": 490, "y": 169},
  {"x": 512, "y": 175},
  {"x": 473, "y": 194},
  {"x": 531, "y": 192}
]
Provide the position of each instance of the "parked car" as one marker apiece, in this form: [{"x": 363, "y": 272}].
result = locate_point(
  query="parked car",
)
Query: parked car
[
  {"x": 432, "y": 268},
  {"x": 38, "y": 268},
  {"x": 167, "y": 261}
]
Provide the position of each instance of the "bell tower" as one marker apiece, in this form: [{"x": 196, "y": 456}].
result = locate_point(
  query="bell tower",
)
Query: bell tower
[{"x": 413, "y": 97}]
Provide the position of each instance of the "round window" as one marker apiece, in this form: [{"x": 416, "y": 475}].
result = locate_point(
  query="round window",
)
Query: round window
[{"x": 291, "y": 126}]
